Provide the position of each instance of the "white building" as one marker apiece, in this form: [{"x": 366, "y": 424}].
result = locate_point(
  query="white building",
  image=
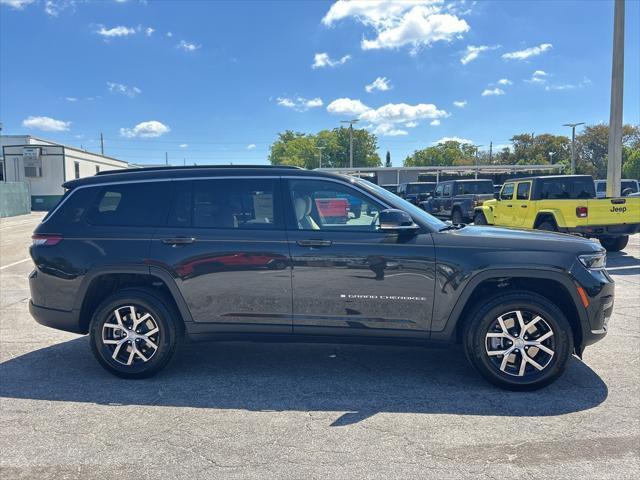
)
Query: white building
[{"x": 46, "y": 165}]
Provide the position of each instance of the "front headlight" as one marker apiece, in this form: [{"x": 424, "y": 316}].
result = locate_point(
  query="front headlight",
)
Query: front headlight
[{"x": 594, "y": 261}]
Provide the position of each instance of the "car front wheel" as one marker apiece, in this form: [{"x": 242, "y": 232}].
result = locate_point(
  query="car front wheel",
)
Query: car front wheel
[
  {"x": 518, "y": 341},
  {"x": 614, "y": 244},
  {"x": 133, "y": 333}
]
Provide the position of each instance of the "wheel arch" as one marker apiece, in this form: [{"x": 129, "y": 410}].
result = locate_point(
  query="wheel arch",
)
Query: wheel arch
[
  {"x": 106, "y": 281},
  {"x": 554, "y": 215},
  {"x": 493, "y": 282},
  {"x": 487, "y": 211}
]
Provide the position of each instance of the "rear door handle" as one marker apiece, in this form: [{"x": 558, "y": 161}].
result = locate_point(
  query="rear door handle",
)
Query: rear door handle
[
  {"x": 510, "y": 206},
  {"x": 523, "y": 206},
  {"x": 178, "y": 241},
  {"x": 314, "y": 243}
]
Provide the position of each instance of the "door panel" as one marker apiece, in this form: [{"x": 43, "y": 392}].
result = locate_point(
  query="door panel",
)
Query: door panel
[
  {"x": 226, "y": 248},
  {"x": 521, "y": 205},
  {"x": 350, "y": 279},
  {"x": 503, "y": 209}
]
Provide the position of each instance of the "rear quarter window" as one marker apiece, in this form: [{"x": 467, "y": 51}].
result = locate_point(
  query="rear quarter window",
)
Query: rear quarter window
[
  {"x": 569, "y": 188},
  {"x": 72, "y": 207},
  {"x": 142, "y": 204}
]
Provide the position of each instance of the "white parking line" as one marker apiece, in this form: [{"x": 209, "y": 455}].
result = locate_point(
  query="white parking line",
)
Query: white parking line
[{"x": 15, "y": 263}]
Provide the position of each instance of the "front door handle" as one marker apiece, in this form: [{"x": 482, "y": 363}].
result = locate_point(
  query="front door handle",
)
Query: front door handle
[
  {"x": 178, "y": 241},
  {"x": 314, "y": 243},
  {"x": 523, "y": 206},
  {"x": 510, "y": 206}
]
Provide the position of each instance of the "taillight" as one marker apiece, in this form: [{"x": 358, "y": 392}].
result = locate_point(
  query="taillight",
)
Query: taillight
[
  {"x": 582, "y": 212},
  {"x": 47, "y": 239}
]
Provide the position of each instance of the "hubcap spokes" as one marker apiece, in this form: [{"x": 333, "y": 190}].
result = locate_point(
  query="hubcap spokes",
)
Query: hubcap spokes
[
  {"x": 520, "y": 343},
  {"x": 131, "y": 335}
]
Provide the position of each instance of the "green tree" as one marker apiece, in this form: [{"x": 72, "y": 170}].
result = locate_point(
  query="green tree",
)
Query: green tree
[
  {"x": 592, "y": 146},
  {"x": 443, "y": 154},
  {"x": 631, "y": 164},
  {"x": 300, "y": 149},
  {"x": 387, "y": 162},
  {"x": 530, "y": 149}
]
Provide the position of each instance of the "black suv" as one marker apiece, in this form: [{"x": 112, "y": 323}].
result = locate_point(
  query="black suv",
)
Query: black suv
[
  {"x": 415, "y": 192},
  {"x": 144, "y": 259},
  {"x": 457, "y": 199}
]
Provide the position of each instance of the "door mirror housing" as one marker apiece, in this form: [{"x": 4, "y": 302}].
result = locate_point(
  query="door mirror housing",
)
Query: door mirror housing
[{"x": 396, "y": 221}]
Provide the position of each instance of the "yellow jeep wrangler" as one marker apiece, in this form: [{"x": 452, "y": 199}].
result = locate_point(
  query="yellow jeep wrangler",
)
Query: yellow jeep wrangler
[{"x": 563, "y": 203}]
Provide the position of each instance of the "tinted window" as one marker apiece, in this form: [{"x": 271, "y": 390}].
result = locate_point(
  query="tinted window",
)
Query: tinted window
[
  {"x": 629, "y": 184},
  {"x": 322, "y": 205},
  {"x": 439, "y": 189},
  {"x": 446, "y": 191},
  {"x": 141, "y": 204},
  {"x": 225, "y": 203},
  {"x": 507, "y": 191},
  {"x": 420, "y": 188},
  {"x": 601, "y": 186},
  {"x": 523, "y": 191},
  {"x": 72, "y": 206},
  {"x": 474, "y": 188},
  {"x": 569, "y": 188}
]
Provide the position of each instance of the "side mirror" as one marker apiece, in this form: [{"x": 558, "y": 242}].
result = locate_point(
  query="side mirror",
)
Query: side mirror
[{"x": 396, "y": 221}]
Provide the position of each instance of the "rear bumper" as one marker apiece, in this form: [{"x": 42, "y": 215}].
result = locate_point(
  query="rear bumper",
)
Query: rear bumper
[
  {"x": 58, "y": 319},
  {"x": 605, "y": 230}
]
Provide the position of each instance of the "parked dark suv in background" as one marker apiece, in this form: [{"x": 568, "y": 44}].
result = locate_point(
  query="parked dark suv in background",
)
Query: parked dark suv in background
[
  {"x": 456, "y": 200},
  {"x": 146, "y": 258}
]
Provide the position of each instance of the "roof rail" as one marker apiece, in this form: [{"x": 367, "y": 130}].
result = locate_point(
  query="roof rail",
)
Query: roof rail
[{"x": 190, "y": 167}]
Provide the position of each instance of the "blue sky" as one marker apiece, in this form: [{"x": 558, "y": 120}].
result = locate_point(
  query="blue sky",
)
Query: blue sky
[{"x": 214, "y": 82}]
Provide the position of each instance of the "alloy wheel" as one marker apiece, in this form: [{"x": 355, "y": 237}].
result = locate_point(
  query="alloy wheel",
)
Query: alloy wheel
[
  {"x": 131, "y": 335},
  {"x": 520, "y": 343}
]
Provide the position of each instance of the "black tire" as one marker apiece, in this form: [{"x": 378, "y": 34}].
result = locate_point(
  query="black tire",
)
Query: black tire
[
  {"x": 483, "y": 320},
  {"x": 480, "y": 219},
  {"x": 614, "y": 244},
  {"x": 163, "y": 315},
  {"x": 548, "y": 226},
  {"x": 456, "y": 217}
]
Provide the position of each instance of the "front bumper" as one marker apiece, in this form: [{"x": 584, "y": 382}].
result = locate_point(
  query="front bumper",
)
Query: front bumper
[
  {"x": 58, "y": 319},
  {"x": 599, "y": 289}
]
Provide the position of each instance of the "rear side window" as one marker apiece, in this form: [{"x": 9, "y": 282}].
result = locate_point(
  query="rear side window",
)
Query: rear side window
[
  {"x": 570, "y": 188},
  {"x": 142, "y": 204},
  {"x": 523, "y": 191},
  {"x": 474, "y": 188},
  {"x": 225, "y": 203}
]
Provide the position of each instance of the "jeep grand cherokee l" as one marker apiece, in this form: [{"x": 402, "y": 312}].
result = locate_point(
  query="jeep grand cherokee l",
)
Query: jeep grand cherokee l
[{"x": 144, "y": 259}]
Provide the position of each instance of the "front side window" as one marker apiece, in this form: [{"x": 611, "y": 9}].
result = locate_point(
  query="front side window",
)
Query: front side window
[
  {"x": 523, "y": 191},
  {"x": 447, "y": 190},
  {"x": 225, "y": 203},
  {"x": 136, "y": 204},
  {"x": 507, "y": 191},
  {"x": 324, "y": 205}
]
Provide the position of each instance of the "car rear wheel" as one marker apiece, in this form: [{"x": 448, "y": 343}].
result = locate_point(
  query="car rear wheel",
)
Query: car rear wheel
[
  {"x": 614, "y": 244},
  {"x": 548, "y": 226},
  {"x": 134, "y": 333},
  {"x": 480, "y": 219},
  {"x": 518, "y": 341}
]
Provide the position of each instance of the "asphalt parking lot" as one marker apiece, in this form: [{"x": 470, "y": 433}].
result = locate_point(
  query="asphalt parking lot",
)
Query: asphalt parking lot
[{"x": 308, "y": 411}]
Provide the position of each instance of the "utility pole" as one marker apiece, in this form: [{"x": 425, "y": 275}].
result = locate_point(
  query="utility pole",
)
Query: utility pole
[
  {"x": 614, "y": 157},
  {"x": 166, "y": 158},
  {"x": 573, "y": 144},
  {"x": 477, "y": 159},
  {"x": 491, "y": 152},
  {"x": 101, "y": 144},
  {"x": 184, "y": 162},
  {"x": 551, "y": 154},
  {"x": 350, "y": 122},
  {"x": 320, "y": 155}
]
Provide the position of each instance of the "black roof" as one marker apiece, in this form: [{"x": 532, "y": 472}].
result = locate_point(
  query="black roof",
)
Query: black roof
[
  {"x": 469, "y": 180},
  {"x": 154, "y": 173},
  {"x": 549, "y": 177}
]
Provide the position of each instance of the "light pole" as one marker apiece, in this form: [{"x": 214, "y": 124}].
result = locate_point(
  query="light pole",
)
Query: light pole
[
  {"x": 350, "y": 122},
  {"x": 320, "y": 156},
  {"x": 573, "y": 144},
  {"x": 551, "y": 154},
  {"x": 476, "y": 160},
  {"x": 614, "y": 156}
]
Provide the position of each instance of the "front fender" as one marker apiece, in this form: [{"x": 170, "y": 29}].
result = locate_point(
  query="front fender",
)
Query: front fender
[{"x": 488, "y": 213}]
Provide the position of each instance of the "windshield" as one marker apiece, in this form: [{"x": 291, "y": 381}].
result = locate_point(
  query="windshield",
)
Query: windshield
[
  {"x": 397, "y": 202},
  {"x": 421, "y": 187}
]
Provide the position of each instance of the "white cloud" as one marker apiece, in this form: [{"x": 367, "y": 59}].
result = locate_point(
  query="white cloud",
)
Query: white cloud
[
  {"x": 184, "y": 145},
  {"x": 505, "y": 81},
  {"x": 385, "y": 119},
  {"x": 299, "y": 104},
  {"x": 568, "y": 86},
  {"x": 17, "y": 4},
  {"x": 322, "y": 60},
  {"x": 149, "y": 31},
  {"x": 71, "y": 99},
  {"x": 492, "y": 92},
  {"x": 188, "y": 46},
  {"x": 150, "y": 129},
  {"x": 539, "y": 76},
  {"x": 460, "y": 103},
  {"x": 400, "y": 23},
  {"x": 435, "y": 123},
  {"x": 381, "y": 83},
  {"x": 130, "y": 92},
  {"x": 453, "y": 139},
  {"x": 251, "y": 146},
  {"x": 46, "y": 124},
  {"x": 527, "y": 52},
  {"x": 118, "y": 31},
  {"x": 347, "y": 106},
  {"x": 472, "y": 52},
  {"x": 169, "y": 34}
]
